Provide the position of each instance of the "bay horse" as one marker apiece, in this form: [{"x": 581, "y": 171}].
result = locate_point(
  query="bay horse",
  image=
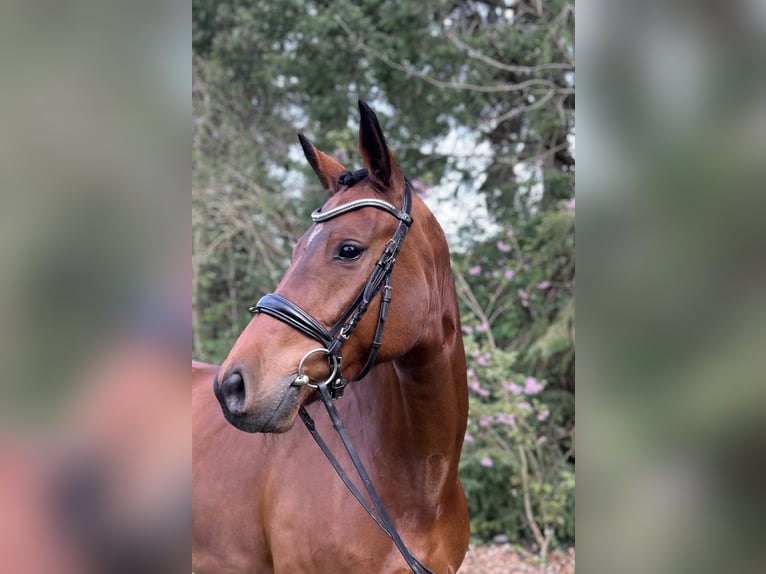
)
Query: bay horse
[{"x": 270, "y": 502}]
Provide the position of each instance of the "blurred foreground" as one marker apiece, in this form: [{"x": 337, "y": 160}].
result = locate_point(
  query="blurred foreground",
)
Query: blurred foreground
[
  {"x": 95, "y": 421},
  {"x": 672, "y": 286}
]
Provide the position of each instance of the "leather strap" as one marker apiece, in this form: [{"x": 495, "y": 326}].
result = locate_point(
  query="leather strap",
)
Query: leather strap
[
  {"x": 319, "y": 216},
  {"x": 288, "y": 312},
  {"x": 381, "y": 519}
]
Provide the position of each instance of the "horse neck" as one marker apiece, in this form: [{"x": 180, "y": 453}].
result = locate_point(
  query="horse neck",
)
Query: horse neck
[
  {"x": 412, "y": 413},
  {"x": 424, "y": 393}
]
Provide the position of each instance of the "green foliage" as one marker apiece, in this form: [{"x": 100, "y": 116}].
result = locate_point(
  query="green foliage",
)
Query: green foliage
[
  {"x": 518, "y": 445},
  {"x": 517, "y": 298},
  {"x": 499, "y": 74}
]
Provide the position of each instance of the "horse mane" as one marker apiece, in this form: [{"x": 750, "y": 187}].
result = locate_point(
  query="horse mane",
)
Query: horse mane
[{"x": 350, "y": 179}]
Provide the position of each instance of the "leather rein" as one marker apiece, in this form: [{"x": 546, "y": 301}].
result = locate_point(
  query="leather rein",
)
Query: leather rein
[{"x": 332, "y": 340}]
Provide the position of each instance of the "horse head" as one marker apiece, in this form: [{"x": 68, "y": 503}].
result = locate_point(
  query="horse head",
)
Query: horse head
[{"x": 333, "y": 264}]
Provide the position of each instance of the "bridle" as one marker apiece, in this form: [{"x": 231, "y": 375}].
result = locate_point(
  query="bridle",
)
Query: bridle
[{"x": 332, "y": 340}]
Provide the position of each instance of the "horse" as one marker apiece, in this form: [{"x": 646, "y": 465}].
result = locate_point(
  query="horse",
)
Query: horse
[{"x": 269, "y": 501}]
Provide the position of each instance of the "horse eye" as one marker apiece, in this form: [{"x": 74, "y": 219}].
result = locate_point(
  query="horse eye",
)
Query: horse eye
[{"x": 349, "y": 252}]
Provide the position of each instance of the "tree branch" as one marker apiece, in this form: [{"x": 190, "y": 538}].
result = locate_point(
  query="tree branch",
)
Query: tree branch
[
  {"x": 490, "y": 61},
  {"x": 414, "y": 72},
  {"x": 475, "y": 306}
]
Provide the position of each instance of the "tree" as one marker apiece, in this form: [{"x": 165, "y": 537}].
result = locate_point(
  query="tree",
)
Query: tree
[{"x": 497, "y": 77}]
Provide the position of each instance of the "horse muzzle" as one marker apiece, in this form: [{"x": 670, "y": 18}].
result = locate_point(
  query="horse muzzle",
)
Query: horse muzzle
[{"x": 273, "y": 413}]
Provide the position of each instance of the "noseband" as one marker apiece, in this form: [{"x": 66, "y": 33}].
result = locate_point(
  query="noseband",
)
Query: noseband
[{"x": 333, "y": 338}]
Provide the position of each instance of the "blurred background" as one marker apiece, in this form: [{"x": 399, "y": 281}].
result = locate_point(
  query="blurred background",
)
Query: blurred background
[
  {"x": 94, "y": 286},
  {"x": 671, "y": 308},
  {"x": 476, "y": 100}
]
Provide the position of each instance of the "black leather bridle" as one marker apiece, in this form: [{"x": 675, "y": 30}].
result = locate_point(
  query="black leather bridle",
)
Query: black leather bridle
[{"x": 333, "y": 338}]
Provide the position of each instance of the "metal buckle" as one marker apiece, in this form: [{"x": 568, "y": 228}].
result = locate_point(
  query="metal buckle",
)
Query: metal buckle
[{"x": 337, "y": 387}]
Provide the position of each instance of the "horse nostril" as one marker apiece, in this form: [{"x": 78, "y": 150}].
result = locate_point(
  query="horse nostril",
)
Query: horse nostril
[{"x": 233, "y": 393}]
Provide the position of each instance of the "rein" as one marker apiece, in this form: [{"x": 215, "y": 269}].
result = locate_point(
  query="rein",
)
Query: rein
[{"x": 332, "y": 339}]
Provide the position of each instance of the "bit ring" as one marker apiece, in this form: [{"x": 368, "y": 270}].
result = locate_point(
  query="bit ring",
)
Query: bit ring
[{"x": 303, "y": 379}]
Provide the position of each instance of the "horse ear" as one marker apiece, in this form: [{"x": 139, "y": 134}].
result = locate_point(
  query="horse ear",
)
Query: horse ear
[
  {"x": 380, "y": 164},
  {"x": 327, "y": 168}
]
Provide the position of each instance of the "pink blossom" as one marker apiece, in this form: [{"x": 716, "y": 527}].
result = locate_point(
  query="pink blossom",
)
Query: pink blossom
[
  {"x": 419, "y": 186},
  {"x": 503, "y": 246},
  {"x": 485, "y": 421},
  {"x": 482, "y": 328},
  {"x": 513, "y": 387},
  {"x": 467, "y": 329},
  {"x": 543, "y": 414},
  {"x": 532, "y": 387},
  {"x": 475, "y": 270},
  {"x": 522, "y": 294},
  {"x": 482, "y": 360},
  {"x": 505, "y": 419},
  {"x": 486, "y": 462},
  {"x": 571, "y": 205},
  {"x": 468, "y": 437},
  {"x": 471, "y": 373},
  {"x": 509, "y": 274},
  {"x": 509, "y": 233},
  {"x": 477, "y": 388},
  {"x": 524, "y": 405},
  {"x": 543, "y": 285}
]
